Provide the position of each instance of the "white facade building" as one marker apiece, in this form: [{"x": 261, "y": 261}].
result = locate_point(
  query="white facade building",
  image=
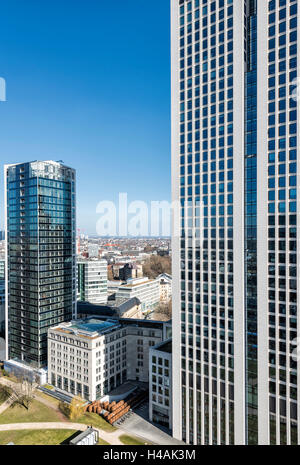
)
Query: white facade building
[
  {"x": 165, "y": 287},
  {"x": 235, "y": 154},
  {"x": 92, "y": 281},
  {"x": 160, "y": 384},
  {"x": 146, "y": 290},
  {"x": 84, "y": 355},
  {"x": 93, "y": 356},
  {"x": 93, "y": 250}
]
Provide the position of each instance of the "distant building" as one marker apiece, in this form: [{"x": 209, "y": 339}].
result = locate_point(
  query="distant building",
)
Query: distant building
[
  {"x": 91, "y": 357},
  {"x": 93, "y": 250},
  {"x": 2, "y": 269},
  {"x": 92, "y": 281},
  {"x": 113, "y": 287},
  {"x": 146, "y": 290},
  {"x": 121, "y": 308},
  {"x": 160, "y": 383},
  {"x": 115, "y": 269},
  {"x": 130, "y": 271},
  {"x": 165, "y": 287}
]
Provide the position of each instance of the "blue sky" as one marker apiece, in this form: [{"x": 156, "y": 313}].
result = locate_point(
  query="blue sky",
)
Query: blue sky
[{"x": 88, "y": 82}]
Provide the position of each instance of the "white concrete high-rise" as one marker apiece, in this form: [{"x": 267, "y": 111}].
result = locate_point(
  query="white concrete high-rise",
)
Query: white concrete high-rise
[{"x": 235, "y": 152}]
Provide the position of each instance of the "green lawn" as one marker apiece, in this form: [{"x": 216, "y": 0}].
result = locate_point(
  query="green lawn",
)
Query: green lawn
[
  {"x": 37, "y": 413},
  {"x": 131, "y": 441},
  {"x": 6, "y": 375},
  {"x": 47, "y": 386},
  {"x": 45, "y": 396},
  {"x": 35, "y": 437},
  {"x": 95, "y": 420},
  {"x": 101, "y": 442}
]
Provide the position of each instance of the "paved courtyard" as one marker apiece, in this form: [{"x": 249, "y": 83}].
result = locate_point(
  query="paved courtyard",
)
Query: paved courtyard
[{"x": 139, "y": 425}]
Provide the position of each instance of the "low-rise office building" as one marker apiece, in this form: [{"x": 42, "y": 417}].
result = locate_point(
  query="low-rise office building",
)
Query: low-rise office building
[
  {"x": 146, "y": 290},
  {"x": 93, "y": 356},
  {"x": 160, "y": 384},
  {"x": 87, "y": 357},
  {"x": 121, "y": 308},
  {"x": 131, "y": 271}
]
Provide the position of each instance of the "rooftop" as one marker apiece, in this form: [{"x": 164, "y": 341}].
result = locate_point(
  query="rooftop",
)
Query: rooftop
[
  {"x": 82, "y": 435},
  {"x": 135, "y": 282},
  {"x": 88, "y": 327},
  {"x": 93, "y": 325},
  {"x": 165, "y": 346}
]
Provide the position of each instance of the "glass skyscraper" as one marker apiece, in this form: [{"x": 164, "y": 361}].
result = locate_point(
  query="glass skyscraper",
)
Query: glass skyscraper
[
  {"x": 40, "y": 208},
  {"x": 235, "y": 65}
]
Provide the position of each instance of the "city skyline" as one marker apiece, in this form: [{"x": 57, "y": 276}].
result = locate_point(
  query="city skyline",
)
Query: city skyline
[
  {"x": 89, "y": 92},
  {"x": 171, "y": 313}
]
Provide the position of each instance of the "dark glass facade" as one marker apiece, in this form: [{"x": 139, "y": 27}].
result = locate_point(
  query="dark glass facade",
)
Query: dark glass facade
[
  {"x": 41, "y": 239},
  {"x": 251, "y": 223}
]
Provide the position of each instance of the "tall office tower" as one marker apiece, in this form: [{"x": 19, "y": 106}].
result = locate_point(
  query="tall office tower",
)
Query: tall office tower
[
  {"x": 234, "y": 154},
  {"x": 40, "y": 256},
  {"x": 92, "y": 281}
]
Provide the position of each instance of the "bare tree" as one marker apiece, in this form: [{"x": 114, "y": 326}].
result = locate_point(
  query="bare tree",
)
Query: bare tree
[
  {"x": 5, "y": 392},
  {"x": 157, "y": 265},
  {"x": 165, "y": 309},
  {"x": 22, "y": 392}
]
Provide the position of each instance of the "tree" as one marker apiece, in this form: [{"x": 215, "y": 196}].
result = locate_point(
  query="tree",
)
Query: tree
[
  {"x": 157, "y": 265},
  {"x": 165, "y": 309},
  {"x": 5, "y": 393},
  {"x": 73, "y": 410},
  {"x": 76, "y": 408}
]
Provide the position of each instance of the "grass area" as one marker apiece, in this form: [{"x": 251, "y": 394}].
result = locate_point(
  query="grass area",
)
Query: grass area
[
  {"x": 88, "y": 418},
  {"x": 37, "y": 412},
  {"x": 131, "y": 441},
  {"x": 47, "y": 386},
  {"x": 35, "y": 437},
  {"x": 45, "y": 396},
  {"x": 101, "y": 442},
  {"x": 7, "y": 375},
  {"x": 4, "y": 395},
  {"x": 95, "y": 420}
]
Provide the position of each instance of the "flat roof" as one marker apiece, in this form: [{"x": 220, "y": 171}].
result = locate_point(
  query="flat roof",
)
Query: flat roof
[
  {"x": 88, "y": 327},
  {"x": 165, "y": 347},
  {"x": 82, "y": 435},
  {"x": 93, "y": 325}
]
